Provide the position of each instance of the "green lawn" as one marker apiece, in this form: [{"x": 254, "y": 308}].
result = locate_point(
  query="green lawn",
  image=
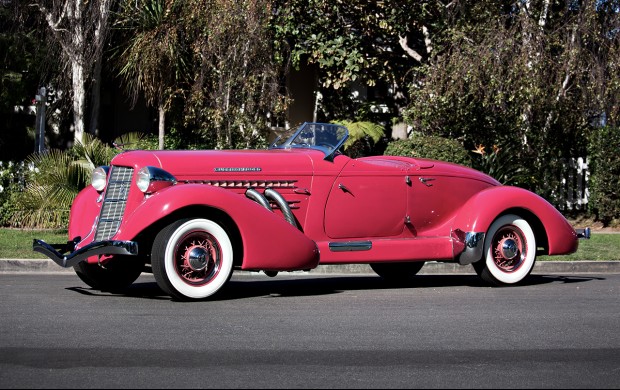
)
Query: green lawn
[
  {"x": 602, "y": 246},
  {"x": 17, "y": 244}
]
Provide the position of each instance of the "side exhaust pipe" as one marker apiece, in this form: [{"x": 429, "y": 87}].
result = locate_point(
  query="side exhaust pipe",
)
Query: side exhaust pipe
[
  {"x": 277, "y": 198},
  {"x": 283, "y": 204},
  {"x": 258, "y": 198}
]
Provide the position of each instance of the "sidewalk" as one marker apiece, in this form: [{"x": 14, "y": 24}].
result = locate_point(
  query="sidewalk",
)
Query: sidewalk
[{"x": 541, "y": 267}]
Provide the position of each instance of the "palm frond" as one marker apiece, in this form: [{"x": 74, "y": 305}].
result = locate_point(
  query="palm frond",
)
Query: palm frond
[{"x": 361, "y": 130}]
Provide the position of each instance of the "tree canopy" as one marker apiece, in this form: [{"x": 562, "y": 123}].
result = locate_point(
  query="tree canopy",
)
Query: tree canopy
[{"x": 534, "y": 76}]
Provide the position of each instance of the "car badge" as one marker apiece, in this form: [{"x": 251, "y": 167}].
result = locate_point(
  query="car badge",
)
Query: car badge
[{"x": 238, "y": 169}]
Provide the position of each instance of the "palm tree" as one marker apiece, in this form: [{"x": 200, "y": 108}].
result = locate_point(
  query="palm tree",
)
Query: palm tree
[
  {"x": 151, "y": 59},
  {"x": 55, "y": 177}
]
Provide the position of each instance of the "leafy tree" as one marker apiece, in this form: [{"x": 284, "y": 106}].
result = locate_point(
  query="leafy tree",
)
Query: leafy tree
[
  {"x": 357, "y": 40},
  {"x": 349, "y": 43},
  {"x": 531, "y": 80},
  {"x": 152, "y": 60},
  {"x": 80, "y": 29},
  {"x": 214, "y": 56},
  {"x": 235, "y": 94},
  {"x": 23, "y": 60}
]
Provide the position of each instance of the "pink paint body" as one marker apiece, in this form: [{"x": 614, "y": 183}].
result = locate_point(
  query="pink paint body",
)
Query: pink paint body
[{"x": 406, "y": 209}]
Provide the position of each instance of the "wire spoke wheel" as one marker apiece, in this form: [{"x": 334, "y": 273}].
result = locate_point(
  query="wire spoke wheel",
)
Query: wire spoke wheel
[
  {"x": 510, "y": 251},
  {"x": 192, "y": 258},
  {"x": 509, "y": 248},
  {"x": 198, "y": 258}
]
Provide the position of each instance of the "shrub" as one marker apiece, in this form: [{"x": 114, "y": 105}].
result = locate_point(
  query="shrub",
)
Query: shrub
[
  {"x": 425, "y": 146},
  {"x": 49, "y": 181},
  {"x": 12, "y": 182},
  {"x": 604, "y": 165},
  {"x": 498, "y": 163}
]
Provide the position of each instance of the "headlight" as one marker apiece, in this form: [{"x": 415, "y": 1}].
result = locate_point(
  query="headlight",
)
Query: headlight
[
  {"x": 99, "y": 178},
  {"x": 151, "y": 179}
]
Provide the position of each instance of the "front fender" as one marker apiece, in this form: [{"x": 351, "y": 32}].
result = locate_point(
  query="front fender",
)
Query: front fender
[
  {"x": 479, "y": 212},
  {"x": 270, "y": 243},
  {"x": 84, "y": 213}
]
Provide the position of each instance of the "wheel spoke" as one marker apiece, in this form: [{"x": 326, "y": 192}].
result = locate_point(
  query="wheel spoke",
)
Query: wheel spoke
[
  {"x": 198, "y": 258},
  {"x": 509, "y": 248}
]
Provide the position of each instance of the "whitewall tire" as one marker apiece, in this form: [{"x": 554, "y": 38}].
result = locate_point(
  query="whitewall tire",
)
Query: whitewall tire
[
  {"x": 509, "y": 251},
  {"x": 192, "y": 258}
]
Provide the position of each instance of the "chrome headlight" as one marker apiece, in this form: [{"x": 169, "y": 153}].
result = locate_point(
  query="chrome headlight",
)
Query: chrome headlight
[
  {"x": 151, "y": 179},
  {"x": 99, "y": 178}
]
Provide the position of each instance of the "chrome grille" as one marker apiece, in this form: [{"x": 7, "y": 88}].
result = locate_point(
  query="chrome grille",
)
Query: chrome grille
[{"x": 114, "y": 203}]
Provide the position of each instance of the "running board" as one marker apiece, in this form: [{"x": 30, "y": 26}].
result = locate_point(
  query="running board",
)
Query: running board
[{"x": 402, "y": 249}]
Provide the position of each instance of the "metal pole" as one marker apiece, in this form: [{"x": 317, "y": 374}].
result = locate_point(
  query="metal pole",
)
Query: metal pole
[{"x": 39, "y": 142}]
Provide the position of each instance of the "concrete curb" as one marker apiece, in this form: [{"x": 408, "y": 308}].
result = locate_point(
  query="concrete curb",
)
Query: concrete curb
[{"x": 541, "y": 267}]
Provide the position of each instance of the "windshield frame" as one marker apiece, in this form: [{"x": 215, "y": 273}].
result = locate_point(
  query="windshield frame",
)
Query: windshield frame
[{"x": 337, "y": 135}]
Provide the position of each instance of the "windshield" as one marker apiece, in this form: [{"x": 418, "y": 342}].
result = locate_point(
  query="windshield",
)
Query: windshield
[{"x": 326, "y": 137}]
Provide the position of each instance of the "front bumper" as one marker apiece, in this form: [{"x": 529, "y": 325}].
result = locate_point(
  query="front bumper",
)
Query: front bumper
[{"x": 68, "y": 256}]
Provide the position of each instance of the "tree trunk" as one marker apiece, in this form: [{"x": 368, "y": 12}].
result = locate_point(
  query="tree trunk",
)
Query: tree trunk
[
  {"x": 71, "y": 24},
  {"x": 79, "y": 99},
  {"x": 162, "y": 125},
  {"x": 95, "y": 99}
]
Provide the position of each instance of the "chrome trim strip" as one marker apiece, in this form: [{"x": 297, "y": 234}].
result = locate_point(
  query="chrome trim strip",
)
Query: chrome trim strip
[
  {"x": 129, "y": 248},
  {"x": 350, "y": 246},
  {"x": 280, "y": 184},
  {"x": 474, "y": 248}
]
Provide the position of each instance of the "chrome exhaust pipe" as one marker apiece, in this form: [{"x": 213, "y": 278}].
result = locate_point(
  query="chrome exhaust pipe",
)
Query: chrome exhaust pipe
[
  {"x": 283, "y": 204},
  {"x": 258, "y": 198}
]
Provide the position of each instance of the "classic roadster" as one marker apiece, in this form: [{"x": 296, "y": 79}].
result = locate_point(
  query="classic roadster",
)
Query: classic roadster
[{"x": 195, "y": 216}]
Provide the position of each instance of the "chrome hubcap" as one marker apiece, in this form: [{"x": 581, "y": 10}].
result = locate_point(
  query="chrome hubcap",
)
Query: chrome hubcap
[
  {"x": 198, "y": 258},
  {"x": 509, "y": 248}
]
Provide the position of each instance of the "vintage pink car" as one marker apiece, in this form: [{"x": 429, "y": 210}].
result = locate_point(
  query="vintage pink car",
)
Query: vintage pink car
[{"x": 195, "y": 216}]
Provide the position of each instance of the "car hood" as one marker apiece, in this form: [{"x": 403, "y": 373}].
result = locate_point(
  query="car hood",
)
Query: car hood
[{"x": 194, "y": 165}]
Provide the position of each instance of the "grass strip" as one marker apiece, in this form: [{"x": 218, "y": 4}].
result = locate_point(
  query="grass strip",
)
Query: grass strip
[
  {"x": 17, "y": 244},
  {"x": 600, "y": 247}
]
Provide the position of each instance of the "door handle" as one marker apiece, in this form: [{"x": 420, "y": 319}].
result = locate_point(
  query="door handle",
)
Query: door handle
[
  {"x": 345, "y": 189},
  {"x": 425, "y": 181}
]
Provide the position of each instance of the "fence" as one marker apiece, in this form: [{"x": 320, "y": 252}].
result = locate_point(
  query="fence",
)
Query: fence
[{"x": 573, "y": 193}]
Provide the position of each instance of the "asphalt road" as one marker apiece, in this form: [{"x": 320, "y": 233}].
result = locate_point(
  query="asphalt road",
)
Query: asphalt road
[{"x": 313, "y": 331}]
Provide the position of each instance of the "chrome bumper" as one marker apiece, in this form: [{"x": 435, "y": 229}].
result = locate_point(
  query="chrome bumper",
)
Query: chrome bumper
[
  {"x": 474, "y": 248},
  {"x": 67, "y": 260}
]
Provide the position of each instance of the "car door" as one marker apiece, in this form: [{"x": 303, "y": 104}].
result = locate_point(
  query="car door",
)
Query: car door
[{"x": 367, "y": 200}]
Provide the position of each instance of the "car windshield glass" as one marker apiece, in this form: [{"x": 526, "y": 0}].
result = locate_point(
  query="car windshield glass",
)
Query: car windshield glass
[{"x": 326, "y": 137}]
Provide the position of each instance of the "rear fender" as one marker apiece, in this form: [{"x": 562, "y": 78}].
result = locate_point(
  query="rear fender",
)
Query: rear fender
[
  {"x": 269, "y": 242},
  {"x": 479, "y": 212}
]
